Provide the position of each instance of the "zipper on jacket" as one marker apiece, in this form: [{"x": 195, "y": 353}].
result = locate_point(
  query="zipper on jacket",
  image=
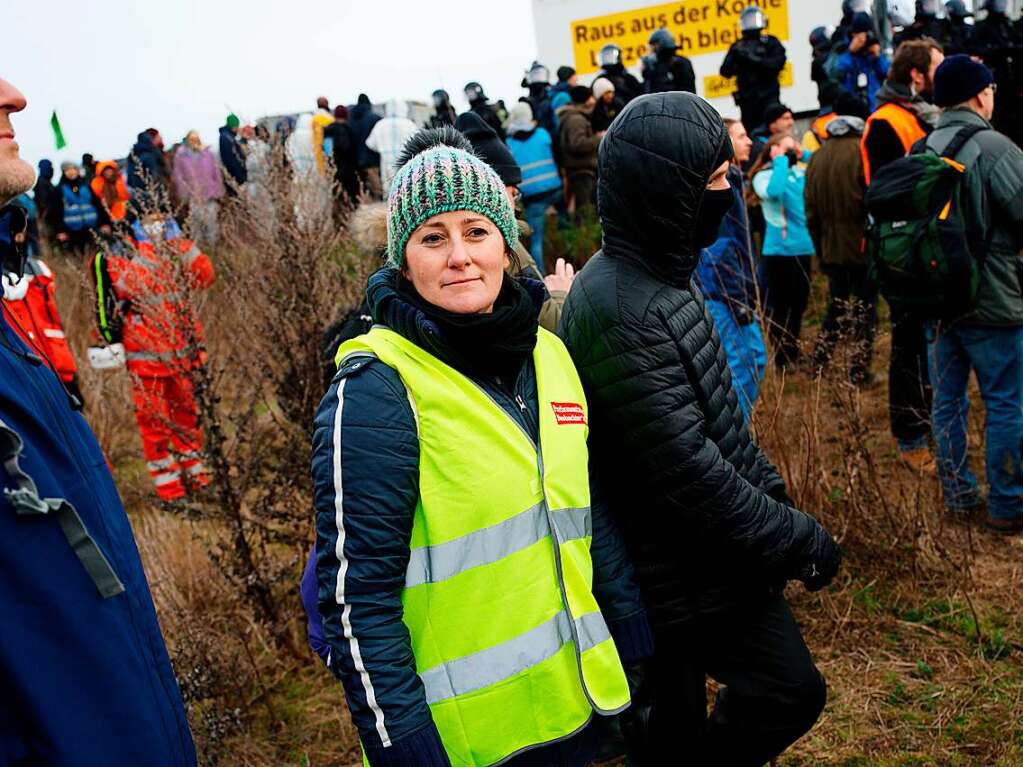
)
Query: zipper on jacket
[{"x": 558, "y": 566}]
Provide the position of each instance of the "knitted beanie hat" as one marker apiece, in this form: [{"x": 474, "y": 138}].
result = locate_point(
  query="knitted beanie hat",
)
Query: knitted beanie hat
[
  {"x": 438, "y": 173},
  {"x": 601, "y": 86}
]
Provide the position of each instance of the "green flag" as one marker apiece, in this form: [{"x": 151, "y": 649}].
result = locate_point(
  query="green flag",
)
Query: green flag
[{"x": 58, "y": 134}]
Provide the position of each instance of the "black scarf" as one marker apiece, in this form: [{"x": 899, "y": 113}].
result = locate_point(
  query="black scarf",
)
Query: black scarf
[{"x": 485, "y": 345}]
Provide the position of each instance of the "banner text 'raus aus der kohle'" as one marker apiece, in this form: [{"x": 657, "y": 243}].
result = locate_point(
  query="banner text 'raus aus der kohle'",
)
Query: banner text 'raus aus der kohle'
[{"x": 700, "y": 26}]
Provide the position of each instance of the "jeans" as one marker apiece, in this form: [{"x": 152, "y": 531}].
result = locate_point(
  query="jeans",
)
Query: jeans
[
  {"x": 536, "y": 217},
  {"x": 995, "y": 355},
  {"x": 788, "y": 291},
  {"x": 771, "y": 695},
  {"x": 744, "y": 347},
  {"x": 909, "y": 386},
  {"x": 852, "y": 315}
]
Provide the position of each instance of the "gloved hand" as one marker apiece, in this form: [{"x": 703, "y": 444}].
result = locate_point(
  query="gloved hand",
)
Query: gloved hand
[
  {"x": 635, "y": 720},
  {"x": 823, "y": 560}
]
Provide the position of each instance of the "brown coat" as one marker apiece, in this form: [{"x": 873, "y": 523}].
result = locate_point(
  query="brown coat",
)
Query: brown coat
[
  {"x": 835, "y": 213},
  {"x": 578, "y": 141}
]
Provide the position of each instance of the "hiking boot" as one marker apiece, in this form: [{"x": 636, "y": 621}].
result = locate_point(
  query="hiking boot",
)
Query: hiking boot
[
  {"x": 1005, "y": 525},
  {"x": 919, "y": 460}
]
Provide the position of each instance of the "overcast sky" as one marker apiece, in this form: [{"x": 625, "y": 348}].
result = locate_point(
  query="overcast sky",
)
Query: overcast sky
[{"x": 112, "y": 68}]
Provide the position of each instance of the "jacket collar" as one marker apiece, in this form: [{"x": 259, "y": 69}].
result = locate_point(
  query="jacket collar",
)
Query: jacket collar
[{"x": 962, "y": 116}]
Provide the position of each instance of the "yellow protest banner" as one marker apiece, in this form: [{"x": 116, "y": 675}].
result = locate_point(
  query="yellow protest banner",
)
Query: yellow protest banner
[
  {"x": 700, "y": 26},
  {"x": 716, "y": 86}
]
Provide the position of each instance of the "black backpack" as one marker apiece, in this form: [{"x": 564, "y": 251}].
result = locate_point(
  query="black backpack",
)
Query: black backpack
[{"x": 923, "y": 253}]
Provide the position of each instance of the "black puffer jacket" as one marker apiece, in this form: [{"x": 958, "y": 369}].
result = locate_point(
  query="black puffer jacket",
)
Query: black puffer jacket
[{"x": 703, "y": 512}]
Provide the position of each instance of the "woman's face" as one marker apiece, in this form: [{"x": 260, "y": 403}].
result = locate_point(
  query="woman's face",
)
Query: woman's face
[{"x": 456, "y": 261}]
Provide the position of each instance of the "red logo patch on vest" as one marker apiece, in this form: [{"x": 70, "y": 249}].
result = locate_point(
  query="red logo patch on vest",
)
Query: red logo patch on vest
[{"x": 568, "y": 413}]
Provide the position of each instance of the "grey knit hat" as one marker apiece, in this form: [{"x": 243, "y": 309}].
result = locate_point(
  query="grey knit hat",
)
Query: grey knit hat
[{"x": 438, "y": 173}]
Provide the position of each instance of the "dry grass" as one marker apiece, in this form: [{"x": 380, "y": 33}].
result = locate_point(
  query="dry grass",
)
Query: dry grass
[{"x": 920, "y": 637}]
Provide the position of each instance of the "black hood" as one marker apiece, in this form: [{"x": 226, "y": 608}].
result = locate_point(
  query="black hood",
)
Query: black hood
[{"x": 653, "y": 167}]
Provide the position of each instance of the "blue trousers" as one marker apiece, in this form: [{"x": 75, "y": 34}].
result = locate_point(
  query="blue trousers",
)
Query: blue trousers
[
  {"x": 995, "y": 355},
  {"x": 744, "y": 347},
  {"x": 536, "y": 210}
]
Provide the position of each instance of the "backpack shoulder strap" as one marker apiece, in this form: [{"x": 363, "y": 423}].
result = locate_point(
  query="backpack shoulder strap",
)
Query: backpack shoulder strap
[{"x": 959, "y": 140}]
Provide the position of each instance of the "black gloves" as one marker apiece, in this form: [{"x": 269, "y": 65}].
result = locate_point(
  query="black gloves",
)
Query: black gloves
[
  {"x": 823, "y": 561},
  {"x": 635, "y": 720}
]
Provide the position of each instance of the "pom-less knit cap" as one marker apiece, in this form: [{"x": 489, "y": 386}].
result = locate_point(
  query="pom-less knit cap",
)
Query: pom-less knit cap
[
  {"x": 489, "y": 148},
  {"x": 862, "y": 23},
  {"x": 233, "y": 121},
  {"x": 438, "y": 173},
  {"x": 601, "y": 86},
  {"x": 958, "y": 79}
]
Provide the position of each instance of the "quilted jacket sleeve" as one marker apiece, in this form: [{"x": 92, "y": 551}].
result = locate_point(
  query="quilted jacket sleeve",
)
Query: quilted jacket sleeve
[
  {"x": 642, "y": 388},
  {"x": 366, "y": 483}
]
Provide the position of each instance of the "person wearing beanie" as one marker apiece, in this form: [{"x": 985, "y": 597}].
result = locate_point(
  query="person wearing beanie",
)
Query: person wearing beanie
[
  {"x": 578, "y": 143},
  {"x": 777, "y": 119},
  {"x": 339, "y": 145},
  {"x": 862, "y": 68},
  {"x": 232, "y": 154},
  {"x": 532, "y": 148},
  {"x": 989, "y": 341},
  {"x": 608, "y": 104},
  {"x": 712, "y": 531},
  {"x": 77, "y": 210},
  {"x": 456, "y": 571},
  {"x": 567, "y": 80}
]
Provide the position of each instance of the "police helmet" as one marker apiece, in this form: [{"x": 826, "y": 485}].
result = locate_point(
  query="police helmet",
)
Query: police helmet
[
  {"x": 957, "y": 9},
  {"x": 610, "y": 55},
  {"x": 996, "y": 6},
  {"x": 899, "y": 13},
  {"x": 821, "y": 36},
  {"x": 538, "y": 73},
  {"x": 851, "y": 7},
  {"x": 752, "y": 20},
  {"x": 473, "y": 91},
  {"x": 662, "y": 38}
]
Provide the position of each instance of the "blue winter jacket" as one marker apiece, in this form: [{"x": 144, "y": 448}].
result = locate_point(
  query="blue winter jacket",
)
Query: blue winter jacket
[
  {"x": 85, "y": 680},
  {"x": 232, "y": 157},
  {"x": 560, "y": 96},
  {"x": 532, "y": 151},
  {"x": 780, "y": 189},
  {"x": 361, "y": 119},
  {"x": 850, "y": 66},
  {"x": 373, "y": 486},
  {"x": 145, "y": 165},
  {"x": 726, "y": 269}
]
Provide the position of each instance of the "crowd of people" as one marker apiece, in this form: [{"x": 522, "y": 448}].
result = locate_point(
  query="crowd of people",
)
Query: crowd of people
[{"x": 534, "y": 577}]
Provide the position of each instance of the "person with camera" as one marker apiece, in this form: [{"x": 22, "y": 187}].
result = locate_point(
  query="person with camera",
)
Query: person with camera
[
  {"x": 755, "y": 61},
  {"x": 862, "y": 68}
]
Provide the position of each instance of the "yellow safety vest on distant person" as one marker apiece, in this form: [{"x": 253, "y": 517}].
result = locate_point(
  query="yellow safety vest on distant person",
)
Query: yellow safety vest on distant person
[{"x": 507, "y": 636}]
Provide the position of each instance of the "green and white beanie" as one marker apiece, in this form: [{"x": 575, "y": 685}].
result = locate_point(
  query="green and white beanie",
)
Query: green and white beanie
[{"x": 438, "y": 173}]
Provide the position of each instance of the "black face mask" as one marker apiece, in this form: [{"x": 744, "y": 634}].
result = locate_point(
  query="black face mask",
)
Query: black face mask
[{"x": 716, "y": 204}]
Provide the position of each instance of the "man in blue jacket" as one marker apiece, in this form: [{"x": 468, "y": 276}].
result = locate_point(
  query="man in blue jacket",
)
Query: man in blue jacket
[
  {"x": 725, "y": 276},
  {"x": 862, "y": 68},
  {"x": 85, "y": 680}
]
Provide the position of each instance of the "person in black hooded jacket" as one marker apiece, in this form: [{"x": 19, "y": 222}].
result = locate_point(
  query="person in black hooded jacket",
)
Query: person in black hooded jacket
[{"x": 705, "y": 516}]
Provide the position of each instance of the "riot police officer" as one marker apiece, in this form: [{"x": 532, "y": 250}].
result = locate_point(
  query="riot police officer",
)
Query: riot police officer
[
  {"x": 996, "y": 43},
  {"x": 479, "y": 104},
  {"x": 960, "y": 30},
  {"x": 755, "y": 61},
  {"x": 665, "y": 69},
  {"x": 926, "y": 24},
  {"x": 627, "y": 87},
  {"x": 827, "y": 88},
  {"x": 444, "y": 113},
  {"x": 538, "y": 82}
]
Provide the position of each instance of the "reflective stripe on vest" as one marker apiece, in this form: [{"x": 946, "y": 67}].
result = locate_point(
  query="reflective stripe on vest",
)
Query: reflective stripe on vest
[
  {"x": 507, "y": 636},
  {"x": 79, "y": 212},
  {"x": 903, "y": 121}
]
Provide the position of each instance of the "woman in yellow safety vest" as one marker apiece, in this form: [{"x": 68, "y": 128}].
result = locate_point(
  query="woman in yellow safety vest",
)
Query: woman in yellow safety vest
[{"x": 476, "y": 602}]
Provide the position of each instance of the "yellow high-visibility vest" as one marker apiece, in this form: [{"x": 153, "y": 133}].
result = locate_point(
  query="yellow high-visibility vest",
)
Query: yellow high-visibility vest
[{"x": 508, "y": 640}]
